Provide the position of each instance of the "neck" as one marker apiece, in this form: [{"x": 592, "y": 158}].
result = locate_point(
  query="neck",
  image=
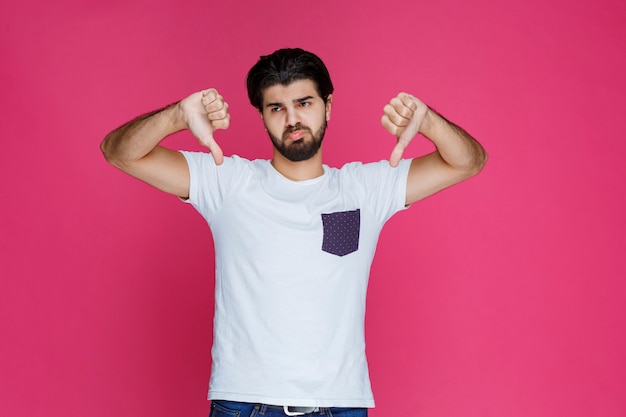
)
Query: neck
[{"x": 298, "y": 171}]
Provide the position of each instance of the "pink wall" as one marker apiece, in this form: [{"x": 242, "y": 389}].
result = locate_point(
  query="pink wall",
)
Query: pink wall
[{"x": 504, "y": 296}]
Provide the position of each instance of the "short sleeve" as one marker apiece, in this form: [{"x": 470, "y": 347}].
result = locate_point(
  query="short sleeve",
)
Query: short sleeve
[
  {"x": 382, "y": 186},
  {"x": 209, "y": 183}
]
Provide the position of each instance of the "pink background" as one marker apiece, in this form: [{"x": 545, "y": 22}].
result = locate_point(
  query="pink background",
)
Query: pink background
[{"x": 503, "y": 296}]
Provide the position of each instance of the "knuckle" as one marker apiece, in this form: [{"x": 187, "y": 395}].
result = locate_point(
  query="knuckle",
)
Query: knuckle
[
  {"x": 393, "y": 129},
  {"x": 406, "y": 112},
  {"x": 399, "y": 120}
]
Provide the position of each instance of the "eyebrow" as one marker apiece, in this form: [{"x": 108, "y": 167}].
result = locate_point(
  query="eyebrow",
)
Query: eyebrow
[{"x": 298, "y": 100}]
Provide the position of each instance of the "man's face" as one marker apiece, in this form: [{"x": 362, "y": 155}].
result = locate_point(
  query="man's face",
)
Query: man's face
[{"x": 295, "y": 117}]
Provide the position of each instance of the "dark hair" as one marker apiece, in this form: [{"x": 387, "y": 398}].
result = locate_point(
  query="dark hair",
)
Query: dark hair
[{"x": 285, "y": 66}]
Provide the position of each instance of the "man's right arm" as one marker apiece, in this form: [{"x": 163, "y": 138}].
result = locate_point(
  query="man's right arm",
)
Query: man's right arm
[{"x": 134, "y": 147}]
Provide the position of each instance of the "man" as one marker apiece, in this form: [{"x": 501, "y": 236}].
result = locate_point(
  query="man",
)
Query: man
[{"x": 294, "y": 238}]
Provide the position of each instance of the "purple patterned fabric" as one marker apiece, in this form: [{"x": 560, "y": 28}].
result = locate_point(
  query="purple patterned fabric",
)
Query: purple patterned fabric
[{"x": 341, "y": 232}]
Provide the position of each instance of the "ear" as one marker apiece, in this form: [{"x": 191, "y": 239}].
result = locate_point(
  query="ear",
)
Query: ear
[{"x": 329, "y": 105}]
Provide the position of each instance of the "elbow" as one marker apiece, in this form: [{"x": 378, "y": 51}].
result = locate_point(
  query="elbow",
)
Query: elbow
[
  {"x": 105, "y": 148},
  {"x": 481, "y": 161},
  {"x": 477, "y": 163},
  {"x": 108, "y": 151}
]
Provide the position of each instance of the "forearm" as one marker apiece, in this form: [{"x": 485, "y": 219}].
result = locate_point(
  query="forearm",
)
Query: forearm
[
  {"x": 137, "y": 138},
  {"x": 456, "y": 147}
]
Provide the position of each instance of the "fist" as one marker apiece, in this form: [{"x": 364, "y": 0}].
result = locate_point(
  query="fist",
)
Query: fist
[
  {"x": 402, "y": 117},
  {"x": 205, "y": 112}
]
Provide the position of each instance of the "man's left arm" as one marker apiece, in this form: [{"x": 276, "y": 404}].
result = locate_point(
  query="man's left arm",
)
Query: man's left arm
[{"x": 457, "y": 158}]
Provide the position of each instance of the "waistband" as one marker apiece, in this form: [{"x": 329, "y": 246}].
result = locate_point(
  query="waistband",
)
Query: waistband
[{"x": 270, "y": 410}]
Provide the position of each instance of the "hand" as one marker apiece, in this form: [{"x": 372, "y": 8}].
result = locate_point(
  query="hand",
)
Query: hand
[
  {"x": 403, "y": 117},
  {"x": 205, "y": 112}
]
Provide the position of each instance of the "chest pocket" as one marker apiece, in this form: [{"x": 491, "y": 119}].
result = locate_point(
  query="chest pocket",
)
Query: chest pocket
[{"x": 341, "y": 232}]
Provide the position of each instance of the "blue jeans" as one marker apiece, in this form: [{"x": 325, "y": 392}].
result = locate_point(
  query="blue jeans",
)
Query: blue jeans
[{"x": 221, "y": 408}]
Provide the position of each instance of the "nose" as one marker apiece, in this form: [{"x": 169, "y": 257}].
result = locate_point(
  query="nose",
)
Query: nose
[{"x": 292, "y": 117}]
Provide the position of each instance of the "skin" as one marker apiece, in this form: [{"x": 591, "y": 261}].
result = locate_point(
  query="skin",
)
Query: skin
[
  {"x": 134, "y": 147},
  {"x": 457, "y": 158},
  {"x": 287, "y": 106}
]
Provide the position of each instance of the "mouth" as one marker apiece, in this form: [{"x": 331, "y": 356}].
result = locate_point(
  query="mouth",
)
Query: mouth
[{"x": 295, "y": 133}]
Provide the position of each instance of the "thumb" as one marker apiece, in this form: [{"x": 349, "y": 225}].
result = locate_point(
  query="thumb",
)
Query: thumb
[
  {"x": 215, "y": 149},
  {"x": 404, "y": 139},
  {"x": 218, "y": 155},
  {"x": 396, "y": 153}
]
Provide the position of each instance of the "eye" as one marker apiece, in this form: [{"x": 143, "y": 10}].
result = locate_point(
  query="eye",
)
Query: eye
[
  {"x": 275, "y": 109},
  {"x": 305, "y": 104}
]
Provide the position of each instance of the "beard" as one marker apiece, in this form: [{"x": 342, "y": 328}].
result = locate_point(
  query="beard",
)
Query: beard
[{"x": 299, "y": 150}]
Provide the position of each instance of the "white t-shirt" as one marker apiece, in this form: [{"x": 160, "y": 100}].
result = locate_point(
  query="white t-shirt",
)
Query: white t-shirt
[{"x": 292, "y": 266}]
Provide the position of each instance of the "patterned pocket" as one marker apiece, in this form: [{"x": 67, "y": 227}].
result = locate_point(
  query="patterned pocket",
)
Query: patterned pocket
[{"x": 341, "y": 232}]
